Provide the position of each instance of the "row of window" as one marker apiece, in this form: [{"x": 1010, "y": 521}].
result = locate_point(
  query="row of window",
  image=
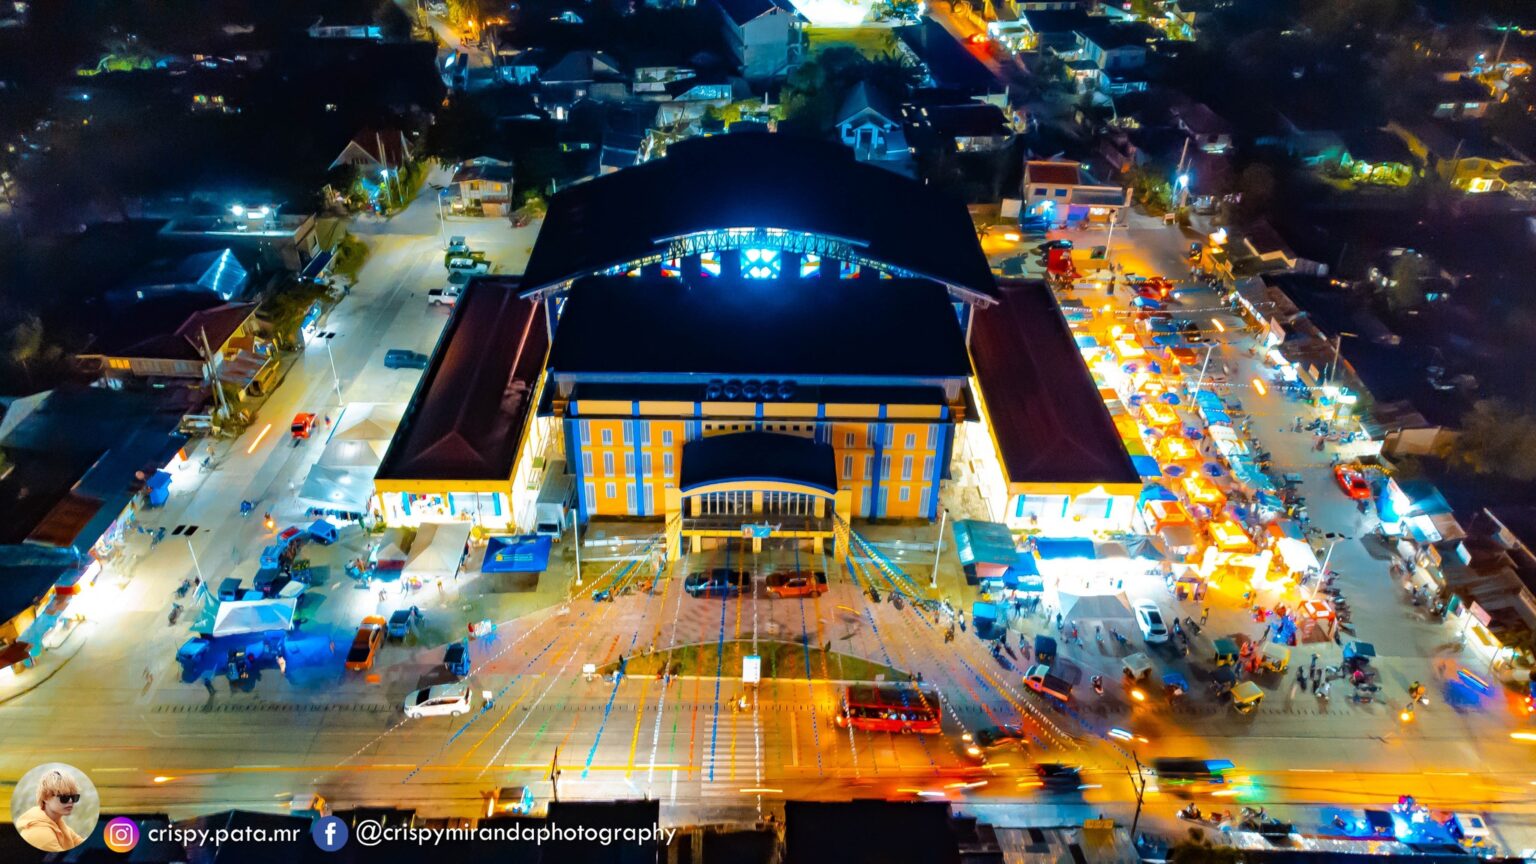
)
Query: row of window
[
  {"x": 605, "y": 435},
  {"x": 907, "y": 464},
  {"x": 667, "y": 464},
  {"x": 909, "y": 440},
  {"x": 755, "y": 264}
]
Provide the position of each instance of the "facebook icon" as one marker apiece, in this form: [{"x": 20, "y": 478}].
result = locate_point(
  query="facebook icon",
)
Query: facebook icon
[{"x": 330, "y": 833}]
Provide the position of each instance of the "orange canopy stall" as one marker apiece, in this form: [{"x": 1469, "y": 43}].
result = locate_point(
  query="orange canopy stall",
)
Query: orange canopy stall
[
  {"x": 1230, "y": 536},
  {"x": 1157, "y": 414},
  {"x": 1202, "y": 491},
  {"x": 1176, "y": 448},
  {"x": 1160, "y": 514}
]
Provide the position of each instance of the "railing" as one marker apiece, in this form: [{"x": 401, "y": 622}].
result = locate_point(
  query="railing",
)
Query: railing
[{"x": 780, "y": 523}]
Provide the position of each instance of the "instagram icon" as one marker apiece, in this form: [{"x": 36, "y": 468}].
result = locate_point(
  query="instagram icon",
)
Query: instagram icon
[{"x": 120, "y": 834}]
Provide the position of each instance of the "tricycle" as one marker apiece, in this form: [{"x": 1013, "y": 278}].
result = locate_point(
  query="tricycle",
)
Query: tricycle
[{"x": 456, "y": 659}]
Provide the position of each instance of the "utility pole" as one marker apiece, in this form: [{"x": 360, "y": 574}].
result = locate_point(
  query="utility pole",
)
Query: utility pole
[
  {"x": 196, "y": 566},
  {"x": 1139, "y": 783},
  {"x": 1181, "y": 178},
  {"x": 554, "y": 775},
  {"x": 933, "y": 581},
  {"x": 576, "y": 543},
  {"x": 335, "y": 379}
]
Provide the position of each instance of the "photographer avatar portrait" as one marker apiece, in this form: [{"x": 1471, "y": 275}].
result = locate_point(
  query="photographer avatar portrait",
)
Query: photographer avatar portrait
[{"x": 55, "y": 807}]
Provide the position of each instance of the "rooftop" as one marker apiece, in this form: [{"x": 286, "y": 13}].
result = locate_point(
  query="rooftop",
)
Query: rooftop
[
  {"x": 864, "y": 328},
  {"x": 742, "y": 11},
  {"x": 1047, "y": 417},
  {"x": 970, "y": 120},
  {"x": 760, "y": 181},
  {"x": 465, "y": 420},
  {"x": 1111, "y": 35},
  {"x": 1053, "y": 173},
  {"x": 758, "y": 456},
  {"x": 171, "y": 327}
]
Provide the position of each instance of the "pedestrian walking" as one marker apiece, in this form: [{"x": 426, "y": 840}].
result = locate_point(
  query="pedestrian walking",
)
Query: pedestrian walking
[
  {"x": 1058, "y": 622},
  {"x": 1205, "y": 614},
  {"x": 282, "y": 665},
  {"x": 208, "y": 683},
  {"x": 1313, "y": 666}
]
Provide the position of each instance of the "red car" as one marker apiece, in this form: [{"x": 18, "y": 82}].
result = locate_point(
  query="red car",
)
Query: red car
[
  {"x": 1154, "y": 288},
  {"x": 1352, "y": 480},
  {"x": 303, "y": 424}
]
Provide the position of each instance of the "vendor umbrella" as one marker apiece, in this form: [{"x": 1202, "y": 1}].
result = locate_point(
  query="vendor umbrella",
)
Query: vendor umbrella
[
  {"x": 1174, "y": 470},
  {"x": 1155, "y": 368},
  {"x": 1136, "y": 400},
  {"x": 1213, "y": 470},
  {"x": 1169, "y": 398}
]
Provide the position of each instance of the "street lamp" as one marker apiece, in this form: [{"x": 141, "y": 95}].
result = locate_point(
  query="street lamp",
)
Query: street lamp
[
  {"x": 1338, "y": 343},
  {"x": 335, "y": 379},
  {"x": 938, "y": 548}
]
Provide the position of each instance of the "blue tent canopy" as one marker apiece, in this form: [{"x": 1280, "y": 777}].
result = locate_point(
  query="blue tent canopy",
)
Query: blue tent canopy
[
  {"x": 159, "y": 486},
  {"x": 983, "y": 611},
  {"x": 1086, "y": 341},
  {"x": 1055, "y": 548},
  {"x": 1154, "y": 492},
  {"x": 525, "y": 553},
  {"x": 984, "y": 543},
  {"x": 1146, "y": 466}
]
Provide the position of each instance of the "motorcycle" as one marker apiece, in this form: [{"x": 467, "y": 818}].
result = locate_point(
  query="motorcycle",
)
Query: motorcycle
[
  {"x": 183, "y": 588},
  {"x": 175, "y": 614},
  {"x": 1098, "y": 684},
  {"x": 246, "y": 507}
]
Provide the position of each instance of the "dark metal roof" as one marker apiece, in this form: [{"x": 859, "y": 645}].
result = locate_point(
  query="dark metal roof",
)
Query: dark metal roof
[
  {"x": 758, "y": 456},
  {"x": 466, "y": 418},
  {"x": 761, "y": 181},
  {"x": 742, "y": 11},
  {"x": 1050, "y": 423},
  {"x": 900, "y": 328}
]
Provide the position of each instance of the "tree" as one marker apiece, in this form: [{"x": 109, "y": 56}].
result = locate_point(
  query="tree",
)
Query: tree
[
  {"x": 1405, "y": 287},
  {"x": 1197, "y": 850},
  {"x": 1256, "y": 188},
  {"x": 1497, "y": 438}
]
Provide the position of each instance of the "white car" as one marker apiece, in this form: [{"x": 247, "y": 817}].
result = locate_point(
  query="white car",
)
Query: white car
[
  {"x": 444, "y": 699},
  {"x": 1150, "y": 620}
]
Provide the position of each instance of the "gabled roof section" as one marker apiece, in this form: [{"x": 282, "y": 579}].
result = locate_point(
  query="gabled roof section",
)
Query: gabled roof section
[
  {"x": 743, "y": 11},
  {"x": 172, "y": 327},
  {"x": 759, "y": 180},
  {"x": 863, "y": 99},
  {"x": 1049, "y": 422},
  {"x": 466, "y": 419},
  {"x": 758, "y": 456}
]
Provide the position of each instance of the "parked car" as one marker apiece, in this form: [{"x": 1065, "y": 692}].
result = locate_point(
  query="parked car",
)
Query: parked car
[
  {"x": 1190, "y": 330},
  {"x": 443, "y": 296},
  {"x": 719, "y": 582},
  {"x": 365, "y": 645},
  {"x": 797, "y": 583},
  {"x": 1053, "y": 244},
  {"x": 1150, "y": 619},
  {"x": 469, "y": 262},
  {"x": 1353, "y": 481},
  {"x": 457, "y": 245},
  {"x": 1040, "y": 679},
  {"x": 449, "y": 700},
  {"x": 399, "y": 358}
]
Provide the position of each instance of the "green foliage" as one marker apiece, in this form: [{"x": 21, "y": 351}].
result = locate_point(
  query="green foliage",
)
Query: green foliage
[
  {"x": 1199, "y": 851},
  {"x": 815, "y": 89},
  {"x": 350, "y": 255},
  {"x": 1497, "y": 438},
  {"x": 284, "y": 311},
  {"x": 1406, "y": 287},
  {"x": 1152, "y": 190}
]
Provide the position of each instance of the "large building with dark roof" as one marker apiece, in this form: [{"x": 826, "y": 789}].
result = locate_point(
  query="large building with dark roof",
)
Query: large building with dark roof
[{"x": 754, "y": 335}]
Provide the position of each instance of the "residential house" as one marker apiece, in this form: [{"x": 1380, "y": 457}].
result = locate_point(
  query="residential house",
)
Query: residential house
[
  {"x": 867, "y": 123},
  {"x": 1459, "y": 98},
  {"x": 368, "y": 32},
  {"x": 484, "y": 184},
  {"x": 970, "y": 127},
  {"x": 1491, "y": 577},
  {"x": 627, "y": 138},
  {"x": 690, "y": 99},
  {"x": 261, "y": 237},
  {"x": 516, "y": 64},
  {"x": 1056, "y": 29},
  {"x": 189, "y": 339},
  {"x": 374, "y": 150},
  {"x": 580, "y": 75},
  {"x": 1116, "y": 46},
  {"x": 762, "y": 36},
  {"x": 216, "y": 273},
  {"x": 1312, "y": 147},
  {"x": 1205, "y": 128},
  {"x": 1379, "y": 157},
  {"x": 1462, "y": 156},
  {"x": 653, "y": 80},
  {"x": 1063, "y": 193}
]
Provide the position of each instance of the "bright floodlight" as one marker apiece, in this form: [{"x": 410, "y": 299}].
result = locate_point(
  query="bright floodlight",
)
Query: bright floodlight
[{"x": 834, "y": 13}]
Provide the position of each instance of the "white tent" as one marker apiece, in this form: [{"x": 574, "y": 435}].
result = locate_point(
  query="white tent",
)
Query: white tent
[
  {"x": 349, "y": 453},
  {"x": 437, "y": 550},
  {"x": 253, "y": 616},
  {"x": 344, "y": 489},
  {"x": 369, "y": 421},
  {"x": 1297, "y": 555},
  {"x": 1095, "y": 607}
]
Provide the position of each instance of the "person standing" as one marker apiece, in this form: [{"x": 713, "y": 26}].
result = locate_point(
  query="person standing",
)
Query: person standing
[{"x": 1205, "y": 614}]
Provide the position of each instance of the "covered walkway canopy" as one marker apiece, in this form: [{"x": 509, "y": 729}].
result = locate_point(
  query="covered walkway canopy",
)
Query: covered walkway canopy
[{"x": 758, "y": 457}]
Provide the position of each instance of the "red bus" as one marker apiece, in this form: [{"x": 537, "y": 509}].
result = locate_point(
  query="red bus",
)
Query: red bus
[{"x": 890, "y": 708}]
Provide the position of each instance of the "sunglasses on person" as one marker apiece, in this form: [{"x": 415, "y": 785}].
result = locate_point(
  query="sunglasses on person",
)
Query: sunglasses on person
[{"x": 68, "y": 799}]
